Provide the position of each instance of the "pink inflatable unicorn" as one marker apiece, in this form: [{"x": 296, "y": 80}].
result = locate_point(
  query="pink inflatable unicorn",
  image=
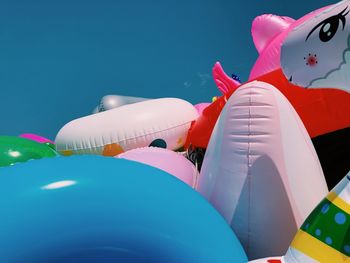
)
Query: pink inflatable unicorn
[
  {"x": 261, "y": 170},
  {"x": 306, "y": 60}
]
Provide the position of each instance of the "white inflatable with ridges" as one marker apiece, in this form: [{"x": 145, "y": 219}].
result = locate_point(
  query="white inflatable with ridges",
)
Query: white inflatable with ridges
[
  {"x": 128, "y": 127},
  {"x": 261, "y": 171}
]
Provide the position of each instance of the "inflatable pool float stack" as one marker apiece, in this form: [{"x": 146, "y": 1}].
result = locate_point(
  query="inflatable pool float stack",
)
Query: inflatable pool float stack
[
  {"x": 253, "y": 188},
  {"x": 312, "y": 75}
]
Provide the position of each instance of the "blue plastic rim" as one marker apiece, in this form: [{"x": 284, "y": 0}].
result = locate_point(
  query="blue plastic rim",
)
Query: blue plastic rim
[{"x": 100, "y": 209}]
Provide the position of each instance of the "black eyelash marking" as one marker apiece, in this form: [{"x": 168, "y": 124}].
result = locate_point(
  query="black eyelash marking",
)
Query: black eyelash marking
[{"x": 338, "y": 17}]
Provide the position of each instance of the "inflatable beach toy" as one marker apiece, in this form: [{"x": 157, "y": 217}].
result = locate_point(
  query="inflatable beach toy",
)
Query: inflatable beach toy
[
  {"x": 15, "y": 149},
  {"x": 169, "y": 161},
  {"x": 98, "y": 209},
  {"x": 306, "y": 60},
  {"x": 159, "y": 122},
  {"x": 109, "y": 102},
  {"x": 260, "y": 170},
  {"x": 324, "y": 236}
]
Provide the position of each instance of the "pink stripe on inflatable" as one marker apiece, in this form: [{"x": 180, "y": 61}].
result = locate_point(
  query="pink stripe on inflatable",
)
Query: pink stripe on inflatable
[{"x": 35, "y": 137}]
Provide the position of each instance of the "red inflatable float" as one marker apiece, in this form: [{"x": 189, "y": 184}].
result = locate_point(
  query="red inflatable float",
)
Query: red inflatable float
[
  {"x": 321, "y": 110},
  {"x": 308, "y": 61}
]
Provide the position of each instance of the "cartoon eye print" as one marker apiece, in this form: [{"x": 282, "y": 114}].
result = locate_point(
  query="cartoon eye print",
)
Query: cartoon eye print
[{"x": 329, "y": 26}]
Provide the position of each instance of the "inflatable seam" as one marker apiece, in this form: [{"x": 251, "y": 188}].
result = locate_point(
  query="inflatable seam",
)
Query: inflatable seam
[
  {"x": 117, "y": 141},
  {"x": 249, "y": 164}
]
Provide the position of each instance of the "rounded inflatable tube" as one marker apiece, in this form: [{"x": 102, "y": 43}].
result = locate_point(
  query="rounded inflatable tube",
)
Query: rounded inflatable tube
[
  {"x": 15, "y": 149},
  {"x": 260, "y": 169},
  {"x": 128, "y": 127},
  {"x": 169, "y": 161},
  {"x": 98, "y": 209},
  {"x": 109, "y": 102}
]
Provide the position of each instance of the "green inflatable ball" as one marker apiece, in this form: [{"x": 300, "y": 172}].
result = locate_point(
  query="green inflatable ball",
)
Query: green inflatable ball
[{"x": 15, "y": 149}]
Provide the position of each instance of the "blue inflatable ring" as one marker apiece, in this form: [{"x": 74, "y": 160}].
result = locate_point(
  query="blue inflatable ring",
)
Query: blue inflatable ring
[{"x": 100, "y": 209}]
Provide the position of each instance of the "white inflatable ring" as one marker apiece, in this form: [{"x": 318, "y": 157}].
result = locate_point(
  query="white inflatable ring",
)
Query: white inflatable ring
[{"x": 159, "y": 122}]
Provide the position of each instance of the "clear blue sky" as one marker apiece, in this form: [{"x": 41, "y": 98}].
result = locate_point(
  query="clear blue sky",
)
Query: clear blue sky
[{"x": 58, "y": 58}]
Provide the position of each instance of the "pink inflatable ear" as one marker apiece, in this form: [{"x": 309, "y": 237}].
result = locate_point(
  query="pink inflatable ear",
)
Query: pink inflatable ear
[{"x": 266, "y": 27}]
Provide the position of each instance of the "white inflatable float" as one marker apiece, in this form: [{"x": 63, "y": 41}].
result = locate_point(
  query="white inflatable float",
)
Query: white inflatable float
[
  {"x": 260, "y": 170},
  {"x": 109, "y": 102},
  {"x": 158, "y": 122}
]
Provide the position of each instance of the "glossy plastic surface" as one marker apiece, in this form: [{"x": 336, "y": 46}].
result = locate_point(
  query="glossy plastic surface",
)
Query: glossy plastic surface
[
  {"x": 169, "y": 161},
  {"x": 109, "y": 102},
  {"x": 128, "y": 127},
  {"x": 15, "y": 149},
  {"x": 260, "y": 169},
  {"x": 101, "y": 209}
]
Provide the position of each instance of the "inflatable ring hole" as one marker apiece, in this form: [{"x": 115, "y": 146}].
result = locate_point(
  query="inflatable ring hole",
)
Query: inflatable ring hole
[{"x": 160, "y": 143}]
